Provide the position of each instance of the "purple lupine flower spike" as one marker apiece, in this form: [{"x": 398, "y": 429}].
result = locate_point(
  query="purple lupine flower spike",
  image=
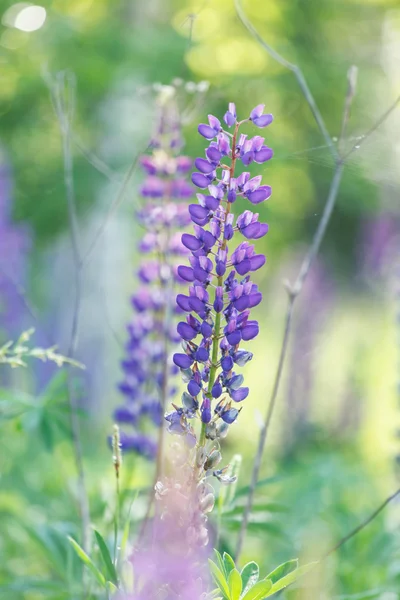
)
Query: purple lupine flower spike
[
  {"x": 15, "y": 243},
  {"x": 221, "y": 293},
  {"x": 146, "y": 379}
]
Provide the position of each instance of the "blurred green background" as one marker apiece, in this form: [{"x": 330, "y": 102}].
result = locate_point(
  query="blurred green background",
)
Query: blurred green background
[{"x": 333, "y": 439}]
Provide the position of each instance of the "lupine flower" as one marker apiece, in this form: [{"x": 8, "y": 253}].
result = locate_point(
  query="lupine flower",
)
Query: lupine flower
[
  {"x": 147, "y": 366},
  {"x": 171, "y": 559},
  {"x": 221, "y": 293},
  {"x": 315, "y": 303},
  {"x": 15, "y": 241}
]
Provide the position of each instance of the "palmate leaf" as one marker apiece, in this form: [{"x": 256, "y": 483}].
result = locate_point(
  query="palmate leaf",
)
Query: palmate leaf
[
  {"x": 291, "y": 578},
  {"x": 229, "y": 563},
  {"x": 282, "y": 570},
  {"x": 219, "y": 578},
  {"x": 250, "y": 574},
  {"x": 220, "y": 563},
  {"x": 235, "y": 584},
  {"x": 259, "y": 591}
]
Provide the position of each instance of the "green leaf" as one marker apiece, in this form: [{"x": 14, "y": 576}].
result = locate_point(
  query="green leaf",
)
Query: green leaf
[
  {"x": 268, "y": 507},
  {"x": 291, "y": 577},
  {"x": 87, "y": 561},
  {"x": 219, "y": 579},
  {"x": 249, "y": 574},
  {"x": 220, "y": 562},
  {"x": 283, "y": 570},
  {"x": 262, "y": 483},
  {"x": 256, "y": 527},
  {"x": 229, "y": 563},
  {"x": 362, "y": 595},
  {"x": 235, "y": 584},
  {"x": 105, "y": 555},
  {"x": 259, "y": 591},
  {"x": 127, "y": 526}
]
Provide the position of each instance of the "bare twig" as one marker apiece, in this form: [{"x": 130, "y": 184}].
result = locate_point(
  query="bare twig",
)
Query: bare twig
[
  {"x": 295, "y": 290},
  {"x": 114, "y": 206},
  {"x": 355, "y": 531},
  {"x": 62, "y": 92},
  {"x": 376, "y": 126},
  {"x": 362, "y": 525},
  {"x": 297, "y": 73}
]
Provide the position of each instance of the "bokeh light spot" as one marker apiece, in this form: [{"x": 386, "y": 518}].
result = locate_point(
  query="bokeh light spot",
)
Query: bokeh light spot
[{"x": 25, "y": 17}]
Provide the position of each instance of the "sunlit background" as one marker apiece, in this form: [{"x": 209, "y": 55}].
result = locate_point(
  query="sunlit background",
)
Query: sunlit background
[{"x": 333, "y": 440}]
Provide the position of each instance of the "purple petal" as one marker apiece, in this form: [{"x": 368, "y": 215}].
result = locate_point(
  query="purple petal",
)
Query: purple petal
[
  {"x": 260, "y": 195},
  {"x": 216, "y": 390},
  {"x": 257, "y": 261},
  {"x": 257, "y": 111},
  {"x": 250, "y": 231},
  {"x": 200, "y": 180},
  {"x": 227, "y": 363},
  {"x": 263, "y": 155},
  {"x": 234, "y": 338},
  {"x": 250, "y": 330},
  {"x": 191, "y": 241},
  {"x": 211, "y": 202},
  {"x": 186, "y": 331},
  {"x": 193, "y": 388},
  {"x": 200, "y": 274},
  {"x": 263, "y": 121},
  {"x": 183, "y": 302},
  {"x": 255, "y": 299},
  {"x": 186, "y": 273},
  {"x": 208, "y": 240},
  {"x": 204, "y": 166},
  {"x": 197, "y": 211},
  {"x": 229, "y": 119},
  {"x": 206, "y": 131},
  {"x": 213, "y": 154},
  {"x": 229, "y": 416},
  {"x": 214, "y": 123},
  {"x": 243, "y": 267},
  {"x": 240, "y": 394},
  {"x": 202, "y": 354},
  {"x": 123, "y": 414},
  {"x": 206, "y": 329},
  {"x": 231, "y": 196},
  {"x": 262, "y": 231},
  {"x": 247, "y": 158},
  {"x": 183, "y": 361},
  {"x": 196, "y": 304},
  {"x": 241, "y": 303}
]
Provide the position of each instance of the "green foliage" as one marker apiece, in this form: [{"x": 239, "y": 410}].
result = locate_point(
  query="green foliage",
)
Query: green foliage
[
  {"x": 15, "y": 353},
  {"x": 46, "y": 415},
  {"x": 245, "y": 585},
  {"x": 87, "y": 561},
  {"x": 106, "y": 556}
]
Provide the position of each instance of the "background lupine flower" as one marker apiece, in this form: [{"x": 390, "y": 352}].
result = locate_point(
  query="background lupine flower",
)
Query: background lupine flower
[
  {"x": 378, "y": 246},
  {"x": 314, "y": 305},
  {"x": 15, "y": 242},
  {"x": 171, "y": 559},
  {"x": 221, "y": 293},
  {"x": 151, "y": 331}
]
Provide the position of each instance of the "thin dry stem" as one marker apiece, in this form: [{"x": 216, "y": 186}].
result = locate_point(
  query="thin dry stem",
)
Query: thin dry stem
[{"x": 295, "y": 290}]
